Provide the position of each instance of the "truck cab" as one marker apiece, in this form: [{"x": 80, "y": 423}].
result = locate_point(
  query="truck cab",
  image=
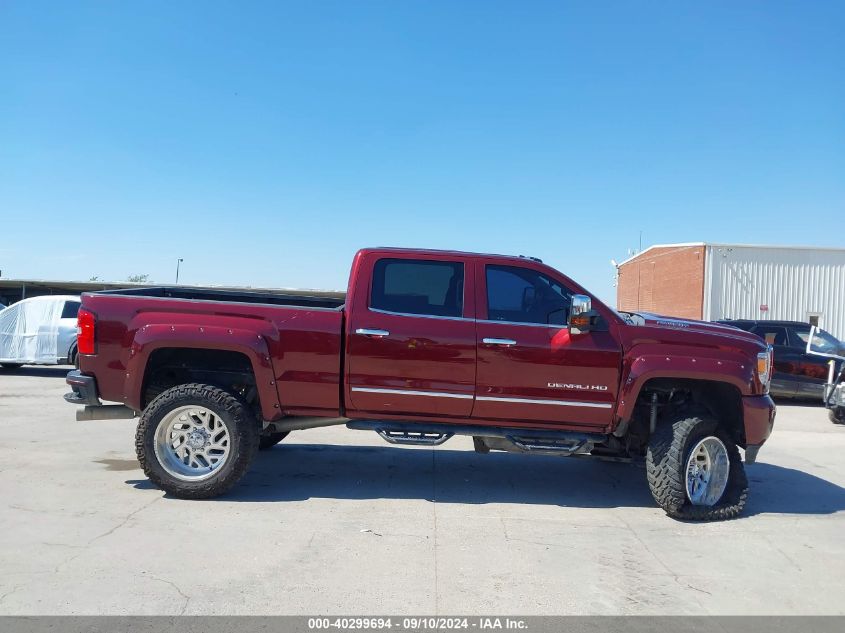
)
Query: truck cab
[{"x": 453, "y": 335}]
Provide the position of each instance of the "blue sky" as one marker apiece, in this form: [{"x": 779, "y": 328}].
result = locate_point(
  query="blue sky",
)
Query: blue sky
[{"x": 265, "y": 142}]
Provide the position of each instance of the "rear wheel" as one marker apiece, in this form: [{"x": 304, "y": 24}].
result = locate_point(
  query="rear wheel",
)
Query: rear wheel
[
  {"x": 837, "y": 415},
  {"x": 695, "y": 471},
  {"x": 269, "y": 440},
  {"x": 11, "y": 365},
  {"x": 196, "y": 441}
]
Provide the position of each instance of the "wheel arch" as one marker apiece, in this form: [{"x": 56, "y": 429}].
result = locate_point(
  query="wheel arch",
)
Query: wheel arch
[
  {"x": 719, "y": 399},
  {"x": 214, "y": 355},
  {"x": 710, "y": 377}
]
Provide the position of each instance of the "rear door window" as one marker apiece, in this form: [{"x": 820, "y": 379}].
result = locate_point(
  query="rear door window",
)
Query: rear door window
[{"x": 425, "y": 287}]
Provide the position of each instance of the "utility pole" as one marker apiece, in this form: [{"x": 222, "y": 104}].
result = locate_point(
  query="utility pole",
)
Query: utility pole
[{"x": 178, "y": 262}]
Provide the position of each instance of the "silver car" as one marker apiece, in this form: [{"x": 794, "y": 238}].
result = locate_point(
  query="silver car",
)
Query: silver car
[{"x": 39, "y": 331}]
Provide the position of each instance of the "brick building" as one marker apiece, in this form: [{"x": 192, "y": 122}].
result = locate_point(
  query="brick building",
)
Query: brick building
[{"x": 736, "y": 281}]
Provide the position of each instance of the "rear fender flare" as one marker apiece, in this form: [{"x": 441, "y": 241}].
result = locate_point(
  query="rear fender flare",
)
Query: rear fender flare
[{"x": 251, "y": 344}]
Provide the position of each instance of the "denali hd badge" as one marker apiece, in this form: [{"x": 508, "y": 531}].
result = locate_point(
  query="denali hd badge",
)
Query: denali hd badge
[{"x": 574, "y": 387}]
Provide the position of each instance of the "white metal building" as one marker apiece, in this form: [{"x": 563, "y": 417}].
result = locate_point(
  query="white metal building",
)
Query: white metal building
[{"x": 738, "y": 281}]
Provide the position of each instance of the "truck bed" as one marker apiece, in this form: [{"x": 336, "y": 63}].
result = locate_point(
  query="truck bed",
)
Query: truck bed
[
  {"x": 291, "y": 343},
  {"x": 280, "y": 298}
]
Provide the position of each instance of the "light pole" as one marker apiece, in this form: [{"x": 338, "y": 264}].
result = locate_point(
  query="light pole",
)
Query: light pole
[{"x": 178, "y": 261}]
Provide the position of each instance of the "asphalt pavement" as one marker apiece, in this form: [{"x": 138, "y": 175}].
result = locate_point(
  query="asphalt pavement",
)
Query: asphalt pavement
[{"x": 334, "y": 521}]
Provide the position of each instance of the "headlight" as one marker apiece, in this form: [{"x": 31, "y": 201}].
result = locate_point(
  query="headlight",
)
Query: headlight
[{"x": 764, "y": 366}]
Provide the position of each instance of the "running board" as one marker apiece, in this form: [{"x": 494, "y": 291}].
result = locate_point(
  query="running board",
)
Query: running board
[
  {"x": 413, "y": 438},
  {"x": 566, "y": 446},
  {"x": 485, "y": 438}
]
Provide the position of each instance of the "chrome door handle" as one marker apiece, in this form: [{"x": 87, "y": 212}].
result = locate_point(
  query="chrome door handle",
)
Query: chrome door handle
[
  {"x": 368, "y": 332},
  {"x": 506, "y": 342}
]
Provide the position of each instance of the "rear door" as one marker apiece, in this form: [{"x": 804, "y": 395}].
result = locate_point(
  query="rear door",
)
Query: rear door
[
  {"x": 529, "y": 367},
  {"x": 411, "y": 342}
]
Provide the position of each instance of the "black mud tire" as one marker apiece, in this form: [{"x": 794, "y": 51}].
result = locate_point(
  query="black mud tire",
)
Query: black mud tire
[
  {"x": 244, "y": 432},
  {"x": 11, "y": 365},
  {"x": 666, "y": 458},
  {"x": 837, "y": 415},
  {"x": 269, "y": 440}
]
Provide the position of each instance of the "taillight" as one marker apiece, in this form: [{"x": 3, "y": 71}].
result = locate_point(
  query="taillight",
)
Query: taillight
[{"x": 85, "y": 325}]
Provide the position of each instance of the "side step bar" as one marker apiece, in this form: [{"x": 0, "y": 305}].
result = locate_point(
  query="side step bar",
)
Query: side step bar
[
  {"x": 485, "y": 438},
  {"x": 413, "y": 438},
  {"x": 566, "y": 446}
]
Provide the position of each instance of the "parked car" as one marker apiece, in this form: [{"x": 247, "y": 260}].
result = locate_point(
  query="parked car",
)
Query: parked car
[
  {"x": 797, "y": 374},
  {"x": 834, "y": 388},
  {"x": 39, "y": 331},
  {"x": 429, "y": 344}
]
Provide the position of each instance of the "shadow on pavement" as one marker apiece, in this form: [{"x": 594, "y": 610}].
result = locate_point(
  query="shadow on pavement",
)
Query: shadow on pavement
[
  {"x": 301, "y": 471},
  {"x": 41, "y": 371},
  {"x": 779, "y": 490}
]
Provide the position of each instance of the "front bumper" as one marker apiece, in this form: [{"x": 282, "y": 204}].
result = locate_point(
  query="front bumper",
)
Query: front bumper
[
  {"x": 83, "y": 389},
  {"x": 758, "y": 413}
]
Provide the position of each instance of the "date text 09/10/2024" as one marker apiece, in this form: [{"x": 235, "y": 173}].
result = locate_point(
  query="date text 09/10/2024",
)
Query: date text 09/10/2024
[{"x": 416, "y": 623}]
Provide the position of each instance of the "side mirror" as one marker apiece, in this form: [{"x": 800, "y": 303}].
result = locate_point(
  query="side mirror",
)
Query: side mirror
[{"x": 581, "y": 315}]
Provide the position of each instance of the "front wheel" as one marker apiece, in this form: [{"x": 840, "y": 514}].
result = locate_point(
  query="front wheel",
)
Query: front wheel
[
  {"x": 11, "y": 365},
  {"x": 837, "y": 415},
  {"x": 196, "y": 441},
  {"x": 694, "y": 470}
]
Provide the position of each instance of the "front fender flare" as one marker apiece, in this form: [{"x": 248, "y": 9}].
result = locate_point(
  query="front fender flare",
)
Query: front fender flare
[{"x": 644, "y": 368}]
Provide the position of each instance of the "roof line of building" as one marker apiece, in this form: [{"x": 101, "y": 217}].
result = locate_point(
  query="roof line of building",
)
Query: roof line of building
[
  {"x": 729, "y": 245},
  {"x": 653, "y": 246}
]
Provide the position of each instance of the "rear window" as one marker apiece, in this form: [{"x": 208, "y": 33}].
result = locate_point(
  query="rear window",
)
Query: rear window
[
  {"x": 71, "y": 309},
  {"x": 411, "y": 286}
]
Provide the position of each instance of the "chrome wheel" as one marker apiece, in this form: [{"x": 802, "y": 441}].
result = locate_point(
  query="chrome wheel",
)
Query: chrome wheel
[
  {"x": 708, "y": 469},
  {"x": 192, "y": 443}
]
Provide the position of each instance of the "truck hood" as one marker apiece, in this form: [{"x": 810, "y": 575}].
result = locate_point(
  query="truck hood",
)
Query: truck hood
[{"x": 675, "y": 330}]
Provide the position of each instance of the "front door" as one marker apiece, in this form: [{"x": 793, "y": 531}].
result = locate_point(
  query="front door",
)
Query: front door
[
  {"x": 529, "y": 367},
  {"x": 411, "y": 351}
]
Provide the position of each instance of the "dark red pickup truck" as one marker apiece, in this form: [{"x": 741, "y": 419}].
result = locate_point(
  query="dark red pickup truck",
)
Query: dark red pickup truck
[{"x": 428, "y": 344}]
